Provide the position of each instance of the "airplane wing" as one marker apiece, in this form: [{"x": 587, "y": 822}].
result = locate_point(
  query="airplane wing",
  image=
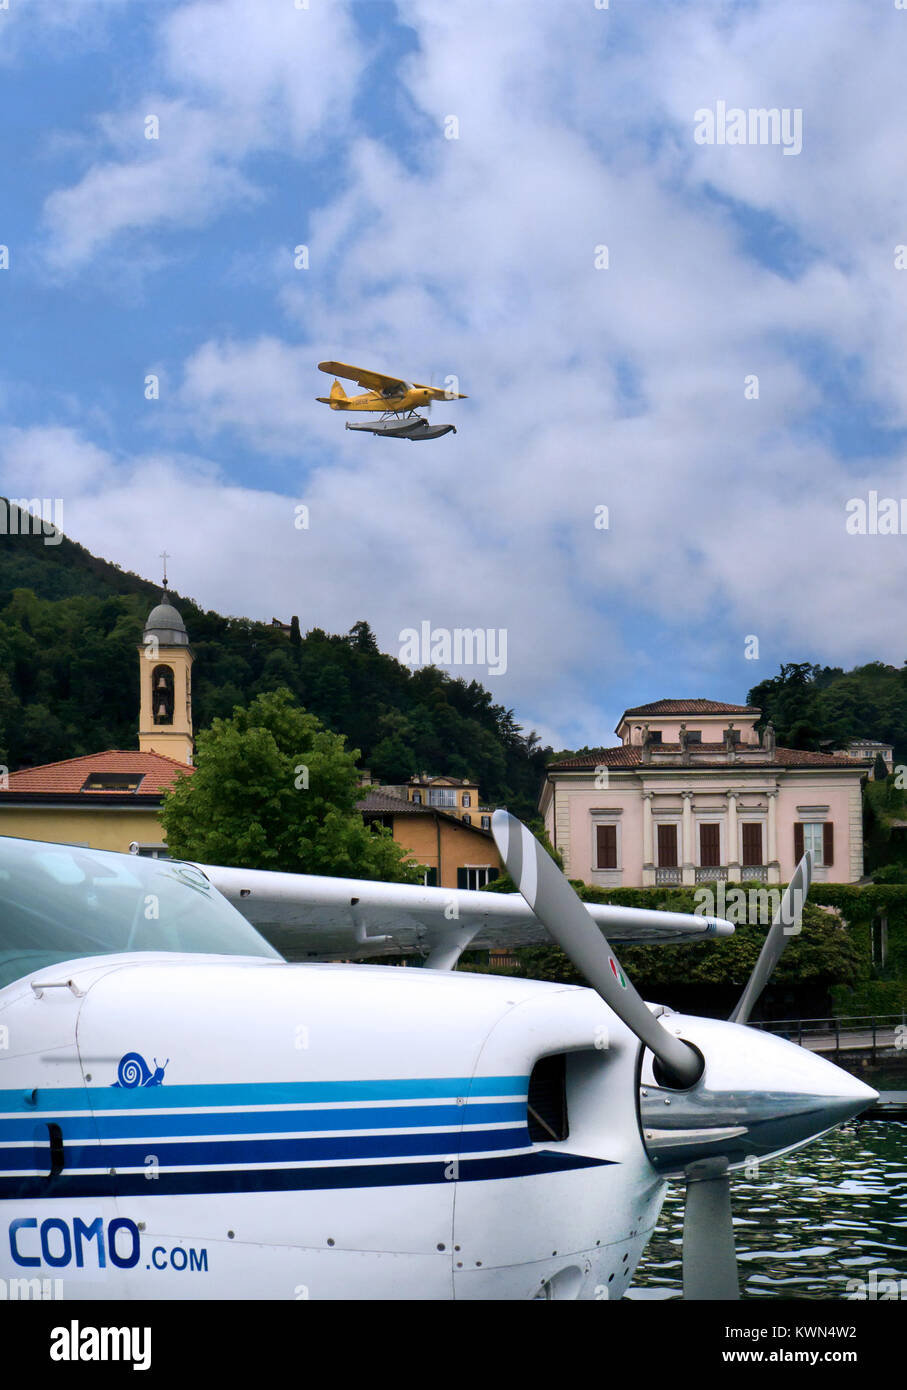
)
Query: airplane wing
[
  {"x": 372, "y": 381},
  {"x": 311, "y": 917}
]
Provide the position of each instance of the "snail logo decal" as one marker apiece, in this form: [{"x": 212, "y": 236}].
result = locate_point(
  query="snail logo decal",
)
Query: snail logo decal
[{"x": 133, "y": 1071}]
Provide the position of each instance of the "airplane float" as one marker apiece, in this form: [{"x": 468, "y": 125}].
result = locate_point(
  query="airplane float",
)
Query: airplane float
[
  {"x": 395, "y": 399},
  {"x": 185, "y": 1114}
]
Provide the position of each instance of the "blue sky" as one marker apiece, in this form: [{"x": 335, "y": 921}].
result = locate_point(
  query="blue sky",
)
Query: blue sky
[{"x": 620, "y": 387}]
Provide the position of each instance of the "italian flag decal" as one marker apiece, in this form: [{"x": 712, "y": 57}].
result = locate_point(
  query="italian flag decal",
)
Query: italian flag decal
[{"x": 617, "y": 972}]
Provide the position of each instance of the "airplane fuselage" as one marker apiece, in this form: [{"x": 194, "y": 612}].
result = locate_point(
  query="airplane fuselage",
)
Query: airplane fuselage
[
  {"x": 206, "y": 1127},
  {"x": 181, "y": 1124},
  {"x": 411, "y": 399}
]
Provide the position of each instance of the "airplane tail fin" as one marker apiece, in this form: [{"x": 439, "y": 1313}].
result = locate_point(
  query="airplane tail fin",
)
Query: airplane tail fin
[{"x": 337, "y": 397}]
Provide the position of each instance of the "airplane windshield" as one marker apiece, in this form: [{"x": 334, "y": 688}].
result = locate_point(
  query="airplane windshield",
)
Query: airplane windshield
[{"x": 60, "y": 902}]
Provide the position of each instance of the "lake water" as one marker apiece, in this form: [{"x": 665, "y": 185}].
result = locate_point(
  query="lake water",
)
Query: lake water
[{"x": 831, "y": 1212}]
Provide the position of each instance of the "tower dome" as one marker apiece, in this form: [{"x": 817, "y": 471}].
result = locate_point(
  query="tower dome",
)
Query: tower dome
[{"x": 165, "y": 623}]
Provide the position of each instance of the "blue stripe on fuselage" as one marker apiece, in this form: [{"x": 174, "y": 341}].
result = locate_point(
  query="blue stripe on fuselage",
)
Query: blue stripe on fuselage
[
  {"x": 165, "y": 1097},
  {"x": 242, "y": 1151},
  {"x": 365, "y": 1175},
  {"x": 235, "y": 1122}
]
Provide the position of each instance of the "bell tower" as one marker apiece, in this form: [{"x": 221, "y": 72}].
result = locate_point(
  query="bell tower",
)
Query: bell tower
[{"x": 165, "y": 676}]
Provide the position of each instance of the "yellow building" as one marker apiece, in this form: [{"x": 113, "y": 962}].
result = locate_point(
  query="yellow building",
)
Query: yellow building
[
  {"x": 106, "y": 800},
  {"x": 455, "y": 795},
  {"x": 456, "y": 854},
  {"x": 111, "y": 800}
]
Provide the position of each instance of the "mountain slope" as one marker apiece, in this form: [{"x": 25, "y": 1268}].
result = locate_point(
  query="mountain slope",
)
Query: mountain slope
[{"x": 70, "y": 626}]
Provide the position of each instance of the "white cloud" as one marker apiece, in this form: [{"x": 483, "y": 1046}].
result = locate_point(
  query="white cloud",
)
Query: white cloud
[
  {"x": 52, "y": 461},
  {"x": 621, "y": 387},
  {"x": 245, "y": 76}
]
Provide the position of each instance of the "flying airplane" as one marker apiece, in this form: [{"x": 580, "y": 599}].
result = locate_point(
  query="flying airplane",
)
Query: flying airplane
[
  {"x": 397, "y": 401},
  {"x": 185, "y": 1114}
]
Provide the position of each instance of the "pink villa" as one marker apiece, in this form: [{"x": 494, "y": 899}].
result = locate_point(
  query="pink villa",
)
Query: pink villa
[{"x": 693, "y": 794}]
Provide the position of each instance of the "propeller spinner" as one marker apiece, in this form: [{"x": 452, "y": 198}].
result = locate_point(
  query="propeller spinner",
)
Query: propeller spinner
[{"x": 714, "y": 1095}]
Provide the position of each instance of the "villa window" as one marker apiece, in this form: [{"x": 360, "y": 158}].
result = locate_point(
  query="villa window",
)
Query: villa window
[
  {"x": 818, "y": 838},
  {"x": 667, "y": 846},
  {"x": 467, "y": 799},
  {"x": 466, "y": 819},
  {"x": 752, "y": 843},
  {"x": 476, "y": 876},
  {"x": 442, "y": 796},
  {"x": 606, "y": 846},
  {"x": 486, "y": 822},
  {"x": 709, "y": 844}
]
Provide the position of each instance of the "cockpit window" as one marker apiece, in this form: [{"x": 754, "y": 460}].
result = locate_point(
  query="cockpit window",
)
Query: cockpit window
[{"x": 59, "y": 902}]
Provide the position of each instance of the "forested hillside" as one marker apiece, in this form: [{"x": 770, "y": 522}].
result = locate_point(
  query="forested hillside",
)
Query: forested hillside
[
  {"x": 823, "y": 707},
  {"x": 70, "y": 625}
]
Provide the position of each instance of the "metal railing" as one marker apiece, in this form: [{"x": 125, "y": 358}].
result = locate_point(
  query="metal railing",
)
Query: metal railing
[
  {"x": 850, "y": 1033},
  {"x": 749, "y": 873},
  {"x": 709, "y": 874}
]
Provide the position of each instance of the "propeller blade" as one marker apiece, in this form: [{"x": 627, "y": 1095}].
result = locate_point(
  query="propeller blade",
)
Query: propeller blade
[
  {"x": 558, "y": 908},
  {"x": 709, "y": 1257},
  {"x": 785, "y": 925}
]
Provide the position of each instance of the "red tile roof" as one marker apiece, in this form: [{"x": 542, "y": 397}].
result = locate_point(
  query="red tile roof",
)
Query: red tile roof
[
  {"x": 383, "y": 804},
  {"x": 691, "y": 707},
  {"x": 624, "y": 756},
  {"x": 630, "y": 755},
  {"x": 158, "y": 773}
]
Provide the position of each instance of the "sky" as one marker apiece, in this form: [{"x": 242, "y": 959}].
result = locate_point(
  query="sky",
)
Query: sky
[{"x": 685, "y": 358}]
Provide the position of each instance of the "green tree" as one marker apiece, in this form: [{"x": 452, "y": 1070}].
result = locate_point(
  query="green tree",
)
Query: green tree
[{"x": 274, "y": 789}]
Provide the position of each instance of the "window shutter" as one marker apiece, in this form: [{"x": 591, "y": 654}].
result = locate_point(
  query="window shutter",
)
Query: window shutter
[
  {"x": 462, "y": 878},
  {"x": 798, "y": 842},
  {"x": 667, "y": 846},
  {"x": 828, "y": 842},
  {"x": 606, "y": 846},
  {"x": 752, "y": 842},
  {"x": 709, "y": 844}
]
